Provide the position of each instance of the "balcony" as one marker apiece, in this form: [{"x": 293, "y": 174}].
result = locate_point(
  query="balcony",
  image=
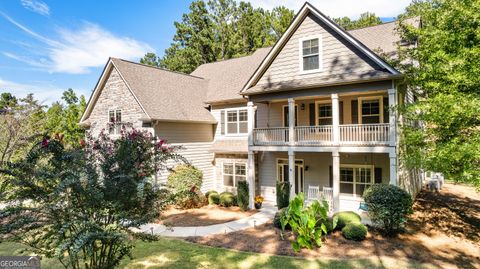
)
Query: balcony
[{"x": 349, "y": 134}]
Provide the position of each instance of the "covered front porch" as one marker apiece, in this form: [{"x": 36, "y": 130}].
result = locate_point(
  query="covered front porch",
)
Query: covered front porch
[{"x": 345, "y": 175}]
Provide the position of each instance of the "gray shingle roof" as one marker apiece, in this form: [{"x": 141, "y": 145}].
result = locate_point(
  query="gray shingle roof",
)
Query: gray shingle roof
[
  {"x": 382, "y": 37},
  {"x": 226, "y": 78},
  {"x": 166, "y": 95}
]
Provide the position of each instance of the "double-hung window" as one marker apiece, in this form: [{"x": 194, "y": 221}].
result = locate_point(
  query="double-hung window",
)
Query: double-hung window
[
  {"x": 237, "y": 121},
  {"x": 115, "y": 121},
  {"x": 355, "y": 179},
  {"x": 324, "y": 113},
  {"x": 234, "y": 172},
  {"x": 371, "y": 110},
  {"x": 310, "y": 54}
]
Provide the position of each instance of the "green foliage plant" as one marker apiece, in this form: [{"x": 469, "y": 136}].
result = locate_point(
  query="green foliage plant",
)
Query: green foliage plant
[
  {"x": 227, "y": 199},
  {"x": 388, "y": 207},
  {"x": 346, "y": 217},
  {"x": 185, "y": 177},
  {"x": 304, "y": 222},
  {"x": 207, "y": 194},
  {"x": 355, "y": 231},
  {"x": 283, "y": 194},
  {"x": 214, "y": 199},
  {"x": 243, "y": 195}
]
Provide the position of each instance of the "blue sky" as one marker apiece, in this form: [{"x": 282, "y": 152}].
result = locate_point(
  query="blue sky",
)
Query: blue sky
[{"x": 47, "y": 46}]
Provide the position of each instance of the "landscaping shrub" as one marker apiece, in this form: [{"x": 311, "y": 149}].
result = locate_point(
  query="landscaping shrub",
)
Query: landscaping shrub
[
  {"x": 189, "y": 199},
  {"x": 328, "y": 224},
  {"x": 304, "y": 222},
  {"x": 242, "y": 197},
  {"x": 210, "y": 192},
  {"x": 388, "y": 207},
  {"x": 277, "y": 219},
  {"x": 214, "y": 199},
  {"x": 184, "y": 178},
  {"x": 283, "y": 194},
  {"x": 227, "y": 199},
  {"x": 354, "y": 231},
  {"x": 346, "y": 217}
]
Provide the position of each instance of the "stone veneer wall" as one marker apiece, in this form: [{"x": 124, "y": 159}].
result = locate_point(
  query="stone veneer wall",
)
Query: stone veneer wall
[{"x": 115, "y": 95}]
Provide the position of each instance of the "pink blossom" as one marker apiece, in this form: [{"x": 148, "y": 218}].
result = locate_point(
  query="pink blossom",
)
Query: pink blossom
[{"x": 45, "y": 142}]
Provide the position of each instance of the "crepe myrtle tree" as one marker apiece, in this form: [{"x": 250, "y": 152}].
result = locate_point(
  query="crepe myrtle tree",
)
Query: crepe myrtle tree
[{"x": 78, "y": 205}]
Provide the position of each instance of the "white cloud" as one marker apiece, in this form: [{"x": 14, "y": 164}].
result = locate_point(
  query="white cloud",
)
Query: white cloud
[
  {"x": 36, "y": 6},
  {"x": 341, "y": 8},
  {"x": 42, "y": 91},
  {"x": 75, "y": 51}
]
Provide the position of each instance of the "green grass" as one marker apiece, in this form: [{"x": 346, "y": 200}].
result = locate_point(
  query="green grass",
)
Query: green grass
[{"x": 173, "y": 253}]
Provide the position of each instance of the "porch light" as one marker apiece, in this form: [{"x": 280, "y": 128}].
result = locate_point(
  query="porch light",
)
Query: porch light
[
  {"x": 302, "y": 106},
  {"x": 306, "y": 167}
]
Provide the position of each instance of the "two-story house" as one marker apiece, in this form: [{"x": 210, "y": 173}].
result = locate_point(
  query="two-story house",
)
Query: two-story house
[{"x": 316, "y": 110}]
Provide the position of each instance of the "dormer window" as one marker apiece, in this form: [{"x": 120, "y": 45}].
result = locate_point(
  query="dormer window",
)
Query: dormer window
[{"x": 310, "y": 54}]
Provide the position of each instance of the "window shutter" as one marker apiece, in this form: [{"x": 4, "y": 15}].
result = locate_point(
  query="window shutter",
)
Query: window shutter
[
  {"x": 330, "y": 176},
  {"x": 354, "y": 111},
  {"x": 311, "y": 108},
  {"x": 222, "y": 122},
  {"x": 340, "y": 108},
  {"x": 386, "y": 110},
  {"x": 378, "y": 175}
]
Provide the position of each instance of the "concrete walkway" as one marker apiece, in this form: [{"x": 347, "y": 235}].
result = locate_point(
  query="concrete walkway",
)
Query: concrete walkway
[{"x": 266, "y": 213}]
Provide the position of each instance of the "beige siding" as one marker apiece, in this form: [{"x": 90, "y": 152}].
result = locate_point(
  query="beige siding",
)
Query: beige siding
[
  {"x": 115, "y": 95},
  {"x": 182, "y": 132},
  {"x": 318, "y": 164},
  {"x": 338, "y": 57}
]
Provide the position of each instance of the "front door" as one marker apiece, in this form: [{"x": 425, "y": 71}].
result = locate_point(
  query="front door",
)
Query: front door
[{"x": 282, "y": 168}]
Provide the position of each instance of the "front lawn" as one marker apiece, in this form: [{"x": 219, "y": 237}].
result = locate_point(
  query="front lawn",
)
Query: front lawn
[{"x": 174, "y": 253}]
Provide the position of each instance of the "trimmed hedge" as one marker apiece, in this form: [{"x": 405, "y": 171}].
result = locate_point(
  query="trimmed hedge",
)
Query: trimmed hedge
[
  {"x": 184, "y": 178},
  {"x": 355, "y": 231},
  {"x": 227, "y": 199},
  {"x": 210, "y": 192},
  {"x": 346, "y": 217},
  {"x": 214, "y": 198},
  {"x": 283, "y": 194},
  {"x": 242, "y": 197},
  {"x": 388, "y": 207}
]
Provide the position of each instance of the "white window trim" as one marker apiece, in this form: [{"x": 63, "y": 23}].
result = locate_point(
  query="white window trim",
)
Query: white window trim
[
  {"x": 361, "y": 99},
  {"x": 234, "y": 172},
  {"x": 115, "y": 133},
  {"x": 238, "y": 134},
  {"x": 320, "y": 54},
  {"x": 354, "y": 183},
  {"x": 283, "y": 115},
  {"x": 317, "y": 116},
  {"x": 285, "y": 162}
]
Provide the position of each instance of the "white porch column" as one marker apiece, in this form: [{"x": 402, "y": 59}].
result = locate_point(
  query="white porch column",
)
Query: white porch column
[
  {"x": 291, "y": 172},
  {"x": 251, "y": 121},
  {"x": 291, "y": 121},
  {"x": 336, "y": 180},
  {"x": 392, "y": 102},
  {"x": 393, "y": 167},
  {"x": 335, "y": 119},
  {"x": 251, "y": 178}
]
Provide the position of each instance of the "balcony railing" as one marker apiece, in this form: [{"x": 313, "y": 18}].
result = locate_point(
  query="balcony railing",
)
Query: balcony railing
[{"x": 349, "y": 134}]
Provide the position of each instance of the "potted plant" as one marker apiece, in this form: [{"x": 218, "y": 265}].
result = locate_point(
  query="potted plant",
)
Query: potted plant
[{"x": 258, "y": 201}]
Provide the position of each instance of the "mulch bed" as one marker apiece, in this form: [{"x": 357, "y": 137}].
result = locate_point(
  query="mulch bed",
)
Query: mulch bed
[
  {"x": 443, "y": 231},
  {"x": 206, "y": 215}
]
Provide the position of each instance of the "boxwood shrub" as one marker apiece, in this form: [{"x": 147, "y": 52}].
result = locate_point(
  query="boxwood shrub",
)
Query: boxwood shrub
[
  {"x": 214, "y": 198},
  {"x": 388, "y": 207},
  {"x": 355, "y": 231},
  {"x": 346, "y": 217},
  {"x": 210, "y": 192},
  {"x": 184, "y": 178},
  {"x": 242, "y": 197},
  {"x": 283, "y": 194},
  {"x": 227, "y": 199}
]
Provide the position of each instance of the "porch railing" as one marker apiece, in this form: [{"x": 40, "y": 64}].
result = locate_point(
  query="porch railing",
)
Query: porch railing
[
  {"x": 313, "y": 135},
  {"x": 364, "y": 134},
  {"x": 349, "y": 134},
  {"x": 270, "y": 136}
]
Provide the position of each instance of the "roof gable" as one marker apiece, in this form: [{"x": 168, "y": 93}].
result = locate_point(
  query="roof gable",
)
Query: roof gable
[{"x": 282, "y": 64}]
